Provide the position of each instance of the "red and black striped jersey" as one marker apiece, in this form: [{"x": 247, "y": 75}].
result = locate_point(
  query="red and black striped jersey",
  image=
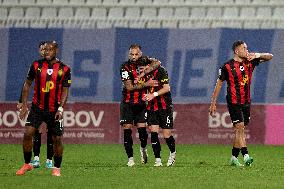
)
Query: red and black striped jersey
[
  {"x": 49, "y": 82},
  {"x": 163, "y": 101},
  {"x": 129, "y": 71},
  {"x": 238, "y": 76}
]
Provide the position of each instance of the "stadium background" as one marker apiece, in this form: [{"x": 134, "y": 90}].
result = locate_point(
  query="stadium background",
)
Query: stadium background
[{"x": 192, "y": 48}]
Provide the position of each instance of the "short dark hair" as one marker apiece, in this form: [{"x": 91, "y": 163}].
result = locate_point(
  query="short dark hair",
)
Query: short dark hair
[
  {"x": 52, "y": 43},
  {"x": 134, "y": 46},
  {"x": 236, "y": 44},
  {"x": 41, "y": 43}
]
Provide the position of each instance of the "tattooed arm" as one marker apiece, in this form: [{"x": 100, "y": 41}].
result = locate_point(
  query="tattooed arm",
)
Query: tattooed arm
[
  {"x": 155, "y": 63},
  {"x": 130, "y": 87},
  {"x": 262, "y": 56}
]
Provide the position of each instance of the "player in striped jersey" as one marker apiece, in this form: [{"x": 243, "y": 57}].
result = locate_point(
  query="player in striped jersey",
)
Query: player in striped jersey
[
  {"x": 132, "y": 107},
  {"x": 160, "y": 115},
  {"x": 37, "y": 137},
  {"x": 52, "y": 81},
  {"x": 237, "y": 72}
]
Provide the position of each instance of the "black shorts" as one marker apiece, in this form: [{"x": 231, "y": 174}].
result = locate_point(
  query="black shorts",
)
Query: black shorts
[
  {"x": 239, "y": 113},
  {"x": 163, "y": 118},
  {"x": 37, "y": 116},
  {"x": 132, "y": 114}
]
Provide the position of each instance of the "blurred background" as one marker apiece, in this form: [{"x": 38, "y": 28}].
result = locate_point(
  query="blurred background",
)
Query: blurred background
[{"x": 192, "y": 38}]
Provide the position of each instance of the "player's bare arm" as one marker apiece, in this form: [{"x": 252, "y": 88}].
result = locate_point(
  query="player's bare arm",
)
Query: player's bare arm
[
  {"x": 262, "y": 56},
  {"x": 25, "y": 94},
  {"x": 217, "y": 89},
  {"x": 64, "y": 97},
  {"x": 20, "y": 104},
  {"x": 162, "y": 91},
  {"x": 155, "y": 63},
  {"x": 128, "y": 84}
]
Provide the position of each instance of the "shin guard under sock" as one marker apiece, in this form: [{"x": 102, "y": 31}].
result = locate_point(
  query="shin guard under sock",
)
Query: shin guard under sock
[
  {"x": 143, "y": 136},
  {"x": 244, "y": 150},
  {"x": 57, "y": 161},
  {"x": 128, "y": 142},
  {"x": 171, "y": 143},
  {"x": 156, "y": 144},
  {"x": 27, "y": 157},
  {"x": 235, "y": 152},
  {"x": 49, "y": 147},
  {"x": 36, "y": 143}
]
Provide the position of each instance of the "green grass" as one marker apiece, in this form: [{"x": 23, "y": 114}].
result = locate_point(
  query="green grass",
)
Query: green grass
[{"x": 104, "y": 166}]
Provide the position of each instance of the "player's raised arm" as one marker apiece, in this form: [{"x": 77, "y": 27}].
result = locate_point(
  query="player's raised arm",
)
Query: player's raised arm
[
  {"x": 128, "y": 84},
  {"x": 262, "y": 56},
  {"x": 155, "y": 63}
]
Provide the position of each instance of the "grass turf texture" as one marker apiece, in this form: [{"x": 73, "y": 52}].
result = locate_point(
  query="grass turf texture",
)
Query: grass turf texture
[{"x": 104, "y": 166}]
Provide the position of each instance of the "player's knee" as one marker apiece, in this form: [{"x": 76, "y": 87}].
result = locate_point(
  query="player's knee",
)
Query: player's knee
[
  {"x": 141, "y": 125},
  {"x": 239, "y": 128},
  {"x": 28, "y": 135},
  {"x": 154, "y": 128},
  {"x": 167, "y": 133},
  {"x": 127, "y": 126}
]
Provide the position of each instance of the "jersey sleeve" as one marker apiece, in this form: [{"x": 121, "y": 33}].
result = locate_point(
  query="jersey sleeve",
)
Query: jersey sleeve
[
  {"x": 163, "y": 76},
  {"x": 124, "y": 73},
  {"x": 31, "y": 74},
  {"x": 255, "y": 62},
  {"x": 223, "y": 73},
  {"x": 67, "y": 78}
]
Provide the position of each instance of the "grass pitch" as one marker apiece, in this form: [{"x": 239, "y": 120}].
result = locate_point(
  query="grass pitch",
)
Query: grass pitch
[{"x": 104, "y": 166}]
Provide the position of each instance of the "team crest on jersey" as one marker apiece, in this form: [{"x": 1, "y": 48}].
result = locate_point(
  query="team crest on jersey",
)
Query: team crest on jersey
[
  {"x": 242, "y": 68},
  {"x": 49, "y": 71},
  {"x": 125, "y": 75}
]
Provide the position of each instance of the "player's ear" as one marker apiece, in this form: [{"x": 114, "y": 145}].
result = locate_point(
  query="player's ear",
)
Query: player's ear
[{"x": 236, "y": 52}]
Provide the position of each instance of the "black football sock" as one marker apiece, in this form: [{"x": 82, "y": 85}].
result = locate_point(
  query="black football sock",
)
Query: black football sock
[
  {"x": 49, "y": 147},
  {"x": 235, "y": 152},
  {"x": 244, "y": 150},
  {"x": 57, "y": 161},
  {"x": 171, "y": 143},
  {"x": 27, "y": 157},
  {"x": 36, "y": 143},
  {"x": 156, "y": 144},
  {"x": 128, "y": 142},
  {"x": 143, "y": 136}
]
